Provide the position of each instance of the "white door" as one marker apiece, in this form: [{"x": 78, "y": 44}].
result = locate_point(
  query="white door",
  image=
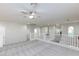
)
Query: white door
[{"x": 2, "y": 34}]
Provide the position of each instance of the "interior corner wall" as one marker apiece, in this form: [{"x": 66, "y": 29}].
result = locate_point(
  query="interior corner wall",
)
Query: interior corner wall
[{"x": 31, "y": 28}]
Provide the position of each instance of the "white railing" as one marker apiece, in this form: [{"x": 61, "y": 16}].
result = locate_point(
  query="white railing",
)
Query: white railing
[
  {"x": 63, "y": 39},
  {"x": 72, "y": 41}
]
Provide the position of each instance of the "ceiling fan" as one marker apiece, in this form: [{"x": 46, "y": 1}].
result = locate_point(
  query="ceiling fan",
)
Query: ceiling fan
[{"x": 31, "y": 13}]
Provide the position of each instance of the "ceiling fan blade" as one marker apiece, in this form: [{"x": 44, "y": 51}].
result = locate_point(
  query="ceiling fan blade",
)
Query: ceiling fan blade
[{"x": 24, "y": 12}]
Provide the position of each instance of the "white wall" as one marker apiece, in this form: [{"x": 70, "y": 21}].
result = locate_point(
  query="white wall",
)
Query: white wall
[
  {"x": 75, "y": 25},
  {"x": 14, "y": 32}
]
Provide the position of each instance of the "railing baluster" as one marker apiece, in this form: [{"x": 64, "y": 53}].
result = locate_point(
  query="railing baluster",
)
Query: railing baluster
[
  {"x": 77, "y": 41},
  {"x": 72, "y": 42},
  {"x": 65, "y": 39}
]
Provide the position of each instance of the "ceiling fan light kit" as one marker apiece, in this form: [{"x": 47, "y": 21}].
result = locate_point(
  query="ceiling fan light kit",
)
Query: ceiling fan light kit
[
  {"x": 32, "y": 13},
  {"x": 31, "y": 16}
]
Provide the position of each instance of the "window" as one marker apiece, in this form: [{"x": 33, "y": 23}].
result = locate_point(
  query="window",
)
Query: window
[
  {"x": 57, "y": 31},
  {"x": 44, "y": 30},
  {"x": 35, "y": 30},
  {"x": 70, "y": 31}
]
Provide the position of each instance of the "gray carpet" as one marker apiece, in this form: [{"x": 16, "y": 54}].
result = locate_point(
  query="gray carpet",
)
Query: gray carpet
[{"x": 36, "y": 48}]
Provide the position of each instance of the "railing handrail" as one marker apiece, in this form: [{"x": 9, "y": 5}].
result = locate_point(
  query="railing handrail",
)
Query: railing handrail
[{"x": 65, "y": 38}]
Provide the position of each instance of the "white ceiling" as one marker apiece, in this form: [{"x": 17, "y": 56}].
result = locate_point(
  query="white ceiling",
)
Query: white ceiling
[{"x": 50, "y": 13}]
